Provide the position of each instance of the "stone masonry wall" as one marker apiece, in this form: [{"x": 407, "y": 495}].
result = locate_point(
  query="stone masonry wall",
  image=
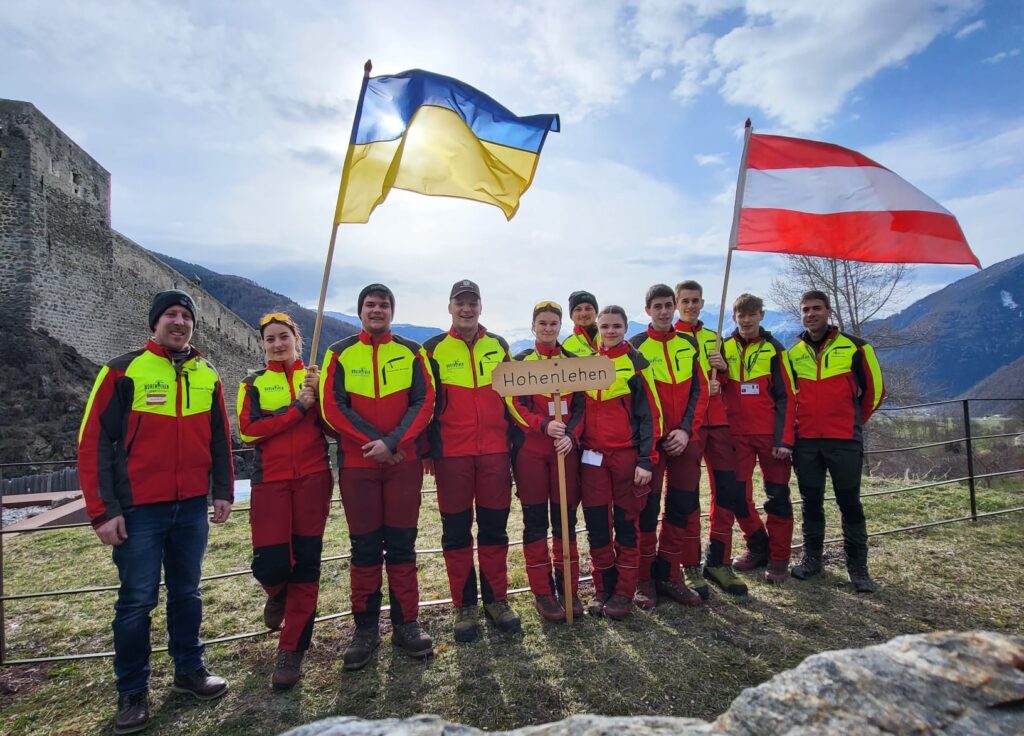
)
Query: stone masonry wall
[{"x": 65, "y": 272}]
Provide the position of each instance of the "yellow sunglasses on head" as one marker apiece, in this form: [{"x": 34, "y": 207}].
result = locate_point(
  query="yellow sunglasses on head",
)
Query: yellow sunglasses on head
[
  {"x": 543, "y": 306},
  {"x": 266, "y": 319}
]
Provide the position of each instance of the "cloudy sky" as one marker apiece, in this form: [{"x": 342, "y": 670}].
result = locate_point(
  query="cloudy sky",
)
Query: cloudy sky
[{"x": 224, "y": 124}]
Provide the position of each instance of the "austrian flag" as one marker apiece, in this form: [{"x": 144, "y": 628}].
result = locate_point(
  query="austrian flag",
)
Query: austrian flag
[{"x": 818, "y": 199}]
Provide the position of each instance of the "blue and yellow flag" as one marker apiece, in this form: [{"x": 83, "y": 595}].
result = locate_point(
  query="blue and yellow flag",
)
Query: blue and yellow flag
[{"x": 432, "y": 134}]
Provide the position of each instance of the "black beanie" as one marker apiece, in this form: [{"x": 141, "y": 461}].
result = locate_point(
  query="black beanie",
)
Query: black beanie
[
  {"x": 171, "y": 298},
  {"x": 367, "y": 290},
  {"x": 581, "y": 297}
]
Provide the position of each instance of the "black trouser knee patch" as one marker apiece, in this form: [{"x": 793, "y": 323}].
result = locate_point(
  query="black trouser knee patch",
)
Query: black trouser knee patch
[
  {"x": 492, "y": 526},
  {"x": 535, "y": 522},
  {"x": 457, "y": 530},
  {"x": 778, "y": 503},
  {"x": 399, "y": 545},
  {"x": 556, "y": 521},
  {"x": 625, "y": 529},
  {"x": 679, "y": 505},
  {"x": 367, "y": 549},
  {"x": 596, "y": 518},
  {"x": 649, "y": 515},
  {"x": 271, "y": 565},
  {"x": 307, "y": 551}
]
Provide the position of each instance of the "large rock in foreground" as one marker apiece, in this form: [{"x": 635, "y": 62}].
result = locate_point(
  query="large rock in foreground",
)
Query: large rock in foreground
[{"x": 943, "y": 683}]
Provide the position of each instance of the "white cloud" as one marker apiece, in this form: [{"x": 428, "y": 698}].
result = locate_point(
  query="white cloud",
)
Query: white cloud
[
  {"x": 969, "y": 29},
  {"x": 709, "y": 159},
  {"x": 799, "y": 60},
  {"x": 1001, "y": 56},
  {"x": 993, "y": 222}
]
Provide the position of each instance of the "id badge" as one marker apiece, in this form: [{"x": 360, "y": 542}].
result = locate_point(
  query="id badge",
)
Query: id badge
[
  {"x": 551, "y": 408},
  {"x": 590, "y": 457},
  {"x": 750, "y": 389}
]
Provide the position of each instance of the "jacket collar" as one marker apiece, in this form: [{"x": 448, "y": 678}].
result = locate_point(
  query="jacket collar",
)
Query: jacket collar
[
  {"x": 588, "y": 334},
  {"x": 157, "y": 349},
  {"x": 830, "y": 332},
  {"x": 367, "y": 339},
  {"x": 276, "y": 366},
  {"x": 762, "y": 334},
  {"x": 687, "y": 327},
  {"x": 621, "y": 349},
  {"x": 548, "y": 351},
  {"x": 480, "y": 332},
  {"x": 660, "y": 336}
]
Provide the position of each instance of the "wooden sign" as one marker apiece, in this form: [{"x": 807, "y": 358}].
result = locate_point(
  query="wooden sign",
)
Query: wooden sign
[{"x": 557, "y": 375}]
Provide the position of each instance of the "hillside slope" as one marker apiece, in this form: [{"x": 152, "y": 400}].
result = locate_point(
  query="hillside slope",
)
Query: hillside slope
[{"x": 250, "y": 301}]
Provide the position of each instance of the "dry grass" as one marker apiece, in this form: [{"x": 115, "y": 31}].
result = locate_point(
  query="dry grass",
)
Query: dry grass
[{"x": 671, "y": 661}]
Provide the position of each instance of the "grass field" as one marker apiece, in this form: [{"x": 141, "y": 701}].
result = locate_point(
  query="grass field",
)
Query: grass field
[{"x": 672, "y": 661}]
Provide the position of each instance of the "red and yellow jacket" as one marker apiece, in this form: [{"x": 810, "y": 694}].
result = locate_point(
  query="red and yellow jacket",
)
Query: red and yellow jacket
[
  {"x": 682, "y": 387},
  {"x": 375, "y": 389},
  {"x": 759, "y": 396},
  {"x": 153, "y": 432},
  {"x": 627, "y": 414},
  {"x": 839, "y": 386},
  {"x": 580, "y": 343},
  {"x": 289, "y": 440},
  {"x": 470, "y": 417},
  {"x": 716, "y": 416},
  {"x": 532, "y": 414}
]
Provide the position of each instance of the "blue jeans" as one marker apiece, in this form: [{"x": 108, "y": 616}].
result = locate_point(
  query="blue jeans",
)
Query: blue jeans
[{"x": 174, "y": 535}]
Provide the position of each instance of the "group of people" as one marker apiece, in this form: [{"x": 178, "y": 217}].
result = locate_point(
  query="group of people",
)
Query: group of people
[{"x": 155, "y": 443}]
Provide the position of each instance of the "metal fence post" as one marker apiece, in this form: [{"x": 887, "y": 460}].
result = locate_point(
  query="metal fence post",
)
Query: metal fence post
[{"x": 970, "y": 460}]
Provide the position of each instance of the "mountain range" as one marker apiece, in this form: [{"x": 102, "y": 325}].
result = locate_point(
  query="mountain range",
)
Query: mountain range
[{"x": 964, "y": 339}]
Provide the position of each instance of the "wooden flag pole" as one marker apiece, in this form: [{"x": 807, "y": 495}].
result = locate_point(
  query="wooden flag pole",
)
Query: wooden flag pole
[
  {"x": 315, "y": 345},
  {"x": 563, "y": 504},
  {"x": 734, "y": 234}
]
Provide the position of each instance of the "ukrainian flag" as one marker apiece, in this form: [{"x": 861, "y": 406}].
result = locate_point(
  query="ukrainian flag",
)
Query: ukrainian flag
[{"x": 432, "y": 134}]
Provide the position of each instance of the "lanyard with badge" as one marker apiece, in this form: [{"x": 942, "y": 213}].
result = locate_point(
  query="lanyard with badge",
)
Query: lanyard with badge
[{"x": 752, "y": 388}]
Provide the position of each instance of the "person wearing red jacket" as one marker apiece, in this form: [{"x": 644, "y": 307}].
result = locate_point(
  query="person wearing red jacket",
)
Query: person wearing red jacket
[
  {"x": 538, "y": 438},
  {"x": 376, "y": 394},
  {"x": 153, "y": 442},
  {"x": 622, "y": 426},
  {"x": 759, "y": 399},
  {"x": 469, "y": 446},
  {"x": 291, "y": 489},
  {"x": 682, "y": 392},
  {"x": 719, "y": 454},
  {"x": 584, "y": 339},
  {"x": 839, "y": 386}
]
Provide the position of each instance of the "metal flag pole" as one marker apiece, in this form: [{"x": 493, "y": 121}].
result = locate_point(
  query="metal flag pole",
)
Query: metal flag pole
[
  {"x": 734, "y": 234},
  {"x": 313, "y": 348}
]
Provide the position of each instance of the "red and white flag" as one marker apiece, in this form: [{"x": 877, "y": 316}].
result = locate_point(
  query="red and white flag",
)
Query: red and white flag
[{"x": 818, "y": 199}]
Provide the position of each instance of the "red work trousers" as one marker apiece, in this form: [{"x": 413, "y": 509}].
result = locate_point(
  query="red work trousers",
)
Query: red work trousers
[
  {"x": 751, "y": 448},
  {"x": 537, "y": 487},
  {"x": 731, "y": 498},
  {"x": 678, "y": 543},
  {"x": 611, "y": 505},
  {"x": 382, "y": 508},
  {"x": 480, "y": 483},
  {"x": 287, "y": 519}
]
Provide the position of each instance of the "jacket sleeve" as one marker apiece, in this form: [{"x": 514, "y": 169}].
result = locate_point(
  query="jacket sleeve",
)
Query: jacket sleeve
[
  {"x": 577, "y": 408},
  {"x": 783, "y": 392},
  {"x": 336, "y": 405},
  {"x": 520, "y": 410},
  {"x": 869, "y": 377},
  {"x": 646, "y": 416},
  {"x": 222, "y": 472},
  {"x": 697, "y": 403},
  {"x": 254, "y": 425},
  {"x": 99, "y": 435},
  {"x": 421, "y": 406}
]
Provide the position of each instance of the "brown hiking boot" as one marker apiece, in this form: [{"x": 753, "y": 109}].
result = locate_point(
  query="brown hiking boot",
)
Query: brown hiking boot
[
  {"x": 777, "y": 572},
  {"x": 677, "y": 591},
  {"x": 596, "y": 605},
  {"x": 577, "y": 605},
  {"x": 273, "y": 610},
  {"x": 810, "y": 565},
  {"x": 132, "y": 712},
  {"x": 646, "y": 596},
  {"x": 413, "y": 639},
  {"x": 618, "y": 607},
  {"x": 364, "y": 643},
  {"x": 466, "y": 625},
  {"x": 201, "y": 684},
  {"x": 749, "y": 560},
  {"x": 549, "y": 608},
  {"x": 501, "y": 615},
  {"x": 287, "y": 670}
]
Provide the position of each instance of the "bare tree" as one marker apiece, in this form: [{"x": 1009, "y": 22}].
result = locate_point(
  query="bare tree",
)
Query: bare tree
[{"x": 859, "y": 292}]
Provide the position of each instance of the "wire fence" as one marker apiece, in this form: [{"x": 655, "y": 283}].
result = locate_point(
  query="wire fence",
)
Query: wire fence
[{"x": 966, "y": 441}]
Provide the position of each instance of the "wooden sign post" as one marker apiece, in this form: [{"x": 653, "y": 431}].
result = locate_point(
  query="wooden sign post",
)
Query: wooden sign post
[{"x": 556, "y": 376}]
